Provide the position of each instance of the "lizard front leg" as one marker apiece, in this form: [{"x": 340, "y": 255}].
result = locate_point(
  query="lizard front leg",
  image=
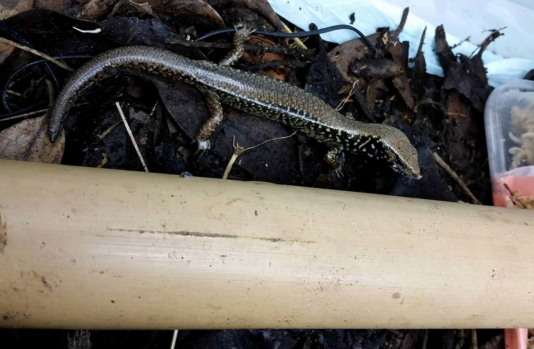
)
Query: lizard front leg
[
  {"x": 335, "y": 160},
  {"x": 239, "y": 41}
]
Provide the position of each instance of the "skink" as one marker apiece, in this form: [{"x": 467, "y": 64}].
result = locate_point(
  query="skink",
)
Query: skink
[{"x": 256, "y": 94}]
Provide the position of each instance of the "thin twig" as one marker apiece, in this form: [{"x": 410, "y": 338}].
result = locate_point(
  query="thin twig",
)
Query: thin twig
[
  {"x": 37, "y": 53},
  {"x": 513, "y": 197},
  {"x": 14, "y": 93},
  {"x": 104, "y": 160},
  {"x": 487, "y": 41},
  {"x": 174, "y": 337},
  {"x": 461, "y": 339},
  {"x": 50, "y": 98},
  {"x": 154, "y": 108},
  {"x": 297, "y": 40},
  {"x": 454, "y": 176},
  {"x": 425, "y": 340},
  {"x": 38, "y": 111},
  {"x": 474, "y": 339},
  {"x": 460, "y": 43},
  {"x": 404, "y": 17},
  {"x": 131, "y": 136},
  {"x": 109, "y": 130},
  {"x": 238, "y": 150},
  {"x": 346, "y": 99},
  {"x": 421, "y": 43},
  {"x": 270, "y": 140},
  {"x": 24, "y": 115},
  {"x": 275, "y": 64},
  {"x": 255, "y": 49}
]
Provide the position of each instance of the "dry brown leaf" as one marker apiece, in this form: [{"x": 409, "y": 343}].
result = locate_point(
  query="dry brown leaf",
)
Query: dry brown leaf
[
  {"x": 402, "y": 84},
  {"x": 345, "y": 54},
  {"x": 5, "y": 51},
  {"x": 141, "y": 7},
  {"x": 98, "y": 9},
  {"x": 266, "y": 57},
  {"x": 9, "y": 8},
  {"x": 399, "y": 53},
  {"x": 496, "y": 342},
  {"x": 261, "y": 7},
  {"x": 53, "y": 5},
  {"x": 523, "y": 201},
  {"x": 527, "y": 201},
  {"x": 518, "y": 200},
  {"x": 28, "y": 141},
  {"x": 187, "y": 7}
]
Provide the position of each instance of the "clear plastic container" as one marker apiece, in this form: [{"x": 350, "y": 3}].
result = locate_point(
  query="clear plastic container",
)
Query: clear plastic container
[{"x": 509, "y": 119}]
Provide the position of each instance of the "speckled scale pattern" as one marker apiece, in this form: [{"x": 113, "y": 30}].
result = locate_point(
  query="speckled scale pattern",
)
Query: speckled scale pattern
[{"x": 257, "y": 94}]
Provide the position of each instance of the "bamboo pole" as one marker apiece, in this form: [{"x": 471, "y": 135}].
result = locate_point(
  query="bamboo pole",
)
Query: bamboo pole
[{"x": 103, "y": 249}]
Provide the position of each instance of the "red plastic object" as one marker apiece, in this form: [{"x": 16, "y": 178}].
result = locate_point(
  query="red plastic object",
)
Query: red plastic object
[
  {"x": 516, "y": 338},
  {"x": 509, "y": 177}
]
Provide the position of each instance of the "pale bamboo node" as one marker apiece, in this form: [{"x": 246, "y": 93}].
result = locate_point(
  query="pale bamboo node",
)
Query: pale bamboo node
[{"x": 88, "y": 248}]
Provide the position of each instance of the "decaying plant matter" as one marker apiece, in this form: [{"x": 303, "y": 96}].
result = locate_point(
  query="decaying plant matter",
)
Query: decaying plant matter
[{"x": 441, "y": 116}]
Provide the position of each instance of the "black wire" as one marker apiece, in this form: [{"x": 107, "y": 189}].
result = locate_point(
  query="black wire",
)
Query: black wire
[
  {"x": 22, "y": 111},
  {"x": 205, "y": 36},
  {"x": 24, "y": 67},
  {"x": 15, "y": 36},
  {"x": 31, "y": 108},
  {"x": 296, "y": 35}
]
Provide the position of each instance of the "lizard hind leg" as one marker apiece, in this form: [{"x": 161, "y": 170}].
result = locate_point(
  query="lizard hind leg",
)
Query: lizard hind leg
[
  {"x": 240, "y": 37},
  {"x": 210, "y": 126},
  {"x": 212, "y": 99}
]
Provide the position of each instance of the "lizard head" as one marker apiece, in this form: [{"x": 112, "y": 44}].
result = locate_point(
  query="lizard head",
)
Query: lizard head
[
  {"x": 400, "y": 153},
  {"x": 386, "y": 143}
]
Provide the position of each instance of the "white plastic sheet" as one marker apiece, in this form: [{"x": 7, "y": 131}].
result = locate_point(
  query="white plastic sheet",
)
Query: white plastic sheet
[{"x": 510, "y": 57}]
